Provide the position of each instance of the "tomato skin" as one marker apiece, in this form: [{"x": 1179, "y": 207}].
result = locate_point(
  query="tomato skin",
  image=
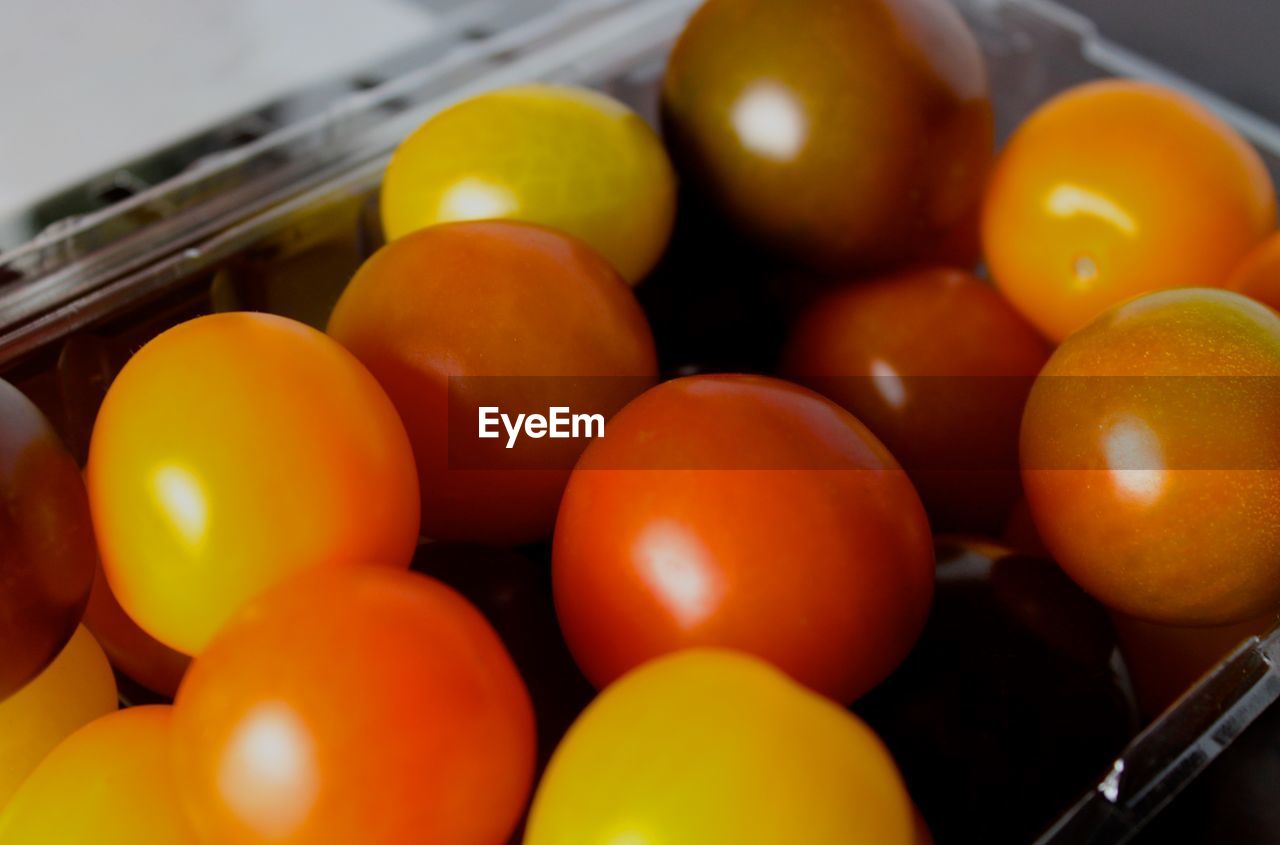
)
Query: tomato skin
[
  {"x": 1258, "y": 275},
  {"x": 233, "y": 450},
  {"x": 743, "y": 512},
  {"x": 1150, "y": 448},
  {"x": 568, "y": 158},
  {"x": 130, "y": 649},
  {"x": 394, "y": 712},
  {"x": 46, "y": 542},
  {"x": 73, "y": 690},
  {"x": 1114, "y": 189},
  {"x": 109, "y": 783},
  {"x": 843, "y": 135},
  {"x": 466, "y": 315},
  {"x": 938, "y": 366},
  {"x": 712, "y": 747}
]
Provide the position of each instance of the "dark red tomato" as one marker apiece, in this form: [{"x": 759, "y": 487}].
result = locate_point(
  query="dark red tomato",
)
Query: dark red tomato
[
  {"x": 939, "y": 366},
  {"x": 1165, "y": 660},
  {"x": 47, "y": 554},
  {"x": 1013, "y": 669},
  {"x": 843, "y": 134},
  {"x": 355, "y": 704},
  {"x": 748, "y": 513},
  {"x": 498, "y": 314}
]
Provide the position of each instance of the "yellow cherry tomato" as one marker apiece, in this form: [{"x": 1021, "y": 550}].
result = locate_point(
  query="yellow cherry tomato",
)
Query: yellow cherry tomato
[
  {"x": 109, "y": 783},
  {"x": 236, "y": 449},
  {"x": 567, "y": 158},
  {"x": 713, "y": 747},
  {"x": 73, "y": 690}
]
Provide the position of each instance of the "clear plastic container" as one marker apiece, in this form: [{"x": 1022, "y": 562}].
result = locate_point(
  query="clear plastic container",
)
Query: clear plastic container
[{"x": 279, "y": 224}]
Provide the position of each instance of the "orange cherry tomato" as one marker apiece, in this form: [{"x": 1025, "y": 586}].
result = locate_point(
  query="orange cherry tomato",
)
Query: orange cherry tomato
[
  {"x": 1118, "y": 188},
  {"x": 109, "y": 783},
  {"x": 132, "y": 650},
  {"x": 938, "y": 365},
  {"x": 714, "y": 747},
  {"x": 73, "y": 690},
  {"x": 355, "y": 704},
  {"x": 46, "y": 542},
  {"x": 743, "y": 512},
  {"x": 1258, "y": 275},
  {"x": 499, "y": 314},
  {"x": 235, "y": 449},
  {"x": 1151, "y": 457}
]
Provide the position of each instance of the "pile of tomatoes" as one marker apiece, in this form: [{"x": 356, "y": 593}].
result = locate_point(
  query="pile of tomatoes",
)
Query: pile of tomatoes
[{"x": 840, "y": 467}]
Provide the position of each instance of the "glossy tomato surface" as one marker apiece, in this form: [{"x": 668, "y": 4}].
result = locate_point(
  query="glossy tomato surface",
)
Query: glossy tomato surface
[
  {"x": 938, "y": 365},
  {"x": 46, "y": 542},
  {"x": 845, "y": 135},
  {"x": 513, "y": 591},
  {"x": 503, "y": 315},
  {"x": 713, "y": 747},
  {"x": 749, "y": 513},
  {"x": 1258, "y": 275},
  {"x": 355, "y": 704},
  {"x": 233, "y": 450},
  {"x": 1151, "y": 457},
  {"x": 569, "y": 158},
  {"x": 109, "y": 783},
  {"x": 73, "y": 690},
  {"x": 1118, "y": 188}
]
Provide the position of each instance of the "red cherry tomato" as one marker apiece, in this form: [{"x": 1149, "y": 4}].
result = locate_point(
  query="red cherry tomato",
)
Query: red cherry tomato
[
  {"x": 749, "y": 513},
  {"x": 939, "y": 366},
  {"x": 46, "y": 542},
  {"x": 1151, "y": 457},
  {"x": 1258, "y": 275},
  {"x": 355, "y": 704},
  {"x": 497, "y": 314}
]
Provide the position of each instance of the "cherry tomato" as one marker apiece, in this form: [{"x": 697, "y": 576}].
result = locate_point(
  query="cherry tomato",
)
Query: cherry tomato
[
  {"x": 46, "y": 542},
  {"x": 938, "y": 365},
  {"x": 1013, "y": 669},
  {"x": 1165, "y": 660},
  {"x": 504, "y": 315},
  {"x": 73, "y": 690},
  {"x": 711, "y": 747},
  {"x": 1258, "y": 275},
  {"x": 130, "y": 649},
  {"x": 841, "y": 134},
  {"x": 514, "y": 594},
  {"x": 355, "y": 704},
  {"x": 743, "y": 512},
  {"x": 1118, "y": 188},
  {"x": 235, "y": 449},
  {"x": 569, "y": 158},
  {"x": 1151, "y": 457},
  {"x": 109, "y": 783}
]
